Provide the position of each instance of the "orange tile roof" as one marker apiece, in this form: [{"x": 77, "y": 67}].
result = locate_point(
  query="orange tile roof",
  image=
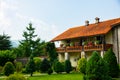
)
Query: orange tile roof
[{"x": 90, "y": 30}]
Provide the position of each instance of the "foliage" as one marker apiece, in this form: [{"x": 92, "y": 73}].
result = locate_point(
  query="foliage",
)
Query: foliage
[
  {"x": 37, "y": 61},
  {"x": 31, "y": 44},
  {"x": 8, "y": 68},
  {"x": 18, "y": 51},
  {"x": 68, "y": 66},
  {"x": 50, "y": 71},
  {"x": 58, "y": 67},
  {"x": 1, "y": 68},
  {"x": 18, "y": 67},
  {"x": 5, "y": 43},
  {"x": 110, "y": 58},
  {"x": 96, "y": 68},
  {"x": 16, "y": 77},
  {"x": 82, "y": 65},
  {"x": 51, "y": 51},
  {"x": 30, "y": 68},
  {"x": 45, "y": 65},
  {"x": 6, "y": 56}
]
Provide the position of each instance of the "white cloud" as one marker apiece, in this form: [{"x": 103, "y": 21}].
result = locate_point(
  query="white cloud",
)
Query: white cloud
[
  {"x": 13, "y": 23},
  {"x": 43, "y": 30},
  {"x": 4, "y": 21}
]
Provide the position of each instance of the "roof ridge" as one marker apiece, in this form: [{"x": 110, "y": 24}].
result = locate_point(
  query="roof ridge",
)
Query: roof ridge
[{"x": 95, "y": 23}]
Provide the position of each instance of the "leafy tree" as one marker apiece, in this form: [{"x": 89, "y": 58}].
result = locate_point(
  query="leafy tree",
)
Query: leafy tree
[
  {"x": 51, "y": 51},
  {"x": 96, "y": 68},
  {"x": 45, "y": 66},
  {"x": 31, "y": 43},
  {"x": 5, "y": 43},
  {"x": 8, "y": 68},
  {"x": 82, "y": 65},
  {"x": 68, "y": 66},
  {"x": 30, "y": 68},
  {"x": 5, "y": 56},
  {"x": 110, "y": 58}
]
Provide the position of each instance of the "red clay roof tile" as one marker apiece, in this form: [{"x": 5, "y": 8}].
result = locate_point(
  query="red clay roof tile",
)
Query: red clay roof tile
[{"x": 90, "y": 30}]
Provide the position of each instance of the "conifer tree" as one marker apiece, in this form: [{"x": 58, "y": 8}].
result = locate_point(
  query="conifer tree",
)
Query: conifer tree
[
  {"x": 111, "y": 60},
  {"x": 5, "y": 43},
  {"x": 96, "y": 68},
  {"x": 30, "y": 67},
  {"x": 31, "y": 43},
  {"x": 68, "y": 66}
]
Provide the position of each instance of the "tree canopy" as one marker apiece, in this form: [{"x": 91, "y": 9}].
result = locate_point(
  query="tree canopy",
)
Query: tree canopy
[
  {"x": 5, "y": 43},
  {"x": 31, "y": 43}
]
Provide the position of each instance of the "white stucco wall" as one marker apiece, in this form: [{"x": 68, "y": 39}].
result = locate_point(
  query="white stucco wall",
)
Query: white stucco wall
[
  {"x": 61, "y": 57},
  {"x": 109, "y": 38},
  {"x": 74, "y": 57},
  {"x": 119, "y": 41}
]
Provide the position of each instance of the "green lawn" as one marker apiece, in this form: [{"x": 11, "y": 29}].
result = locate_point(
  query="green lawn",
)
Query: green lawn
[
  {"x": 72, "y": 76},
  {"x": 58, "y": 77}
]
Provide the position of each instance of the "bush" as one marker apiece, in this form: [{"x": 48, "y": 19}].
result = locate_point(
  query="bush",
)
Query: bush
[
  {"x": 6, "y": 56},
  {"x": 58, "y": 67},
  {"x": 68, "y": 66},
  {"x": 8, "y": 68},
  {"x": 96, "y": 68},
  {"x": 16, "y": 77},
  {"x": 37, "y": 61},
  {"x": 45, "y": 65},
  {"x": 110, "y": 58},
  {"x": 82, "y": 65},
  {"x": 1, "y": 69},
  {"x": 18, "y": 67},
  {"x": 50, "y": 71}
]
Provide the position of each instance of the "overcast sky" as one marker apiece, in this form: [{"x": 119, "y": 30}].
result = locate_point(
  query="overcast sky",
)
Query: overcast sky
[{"x": 51, "y": 17}]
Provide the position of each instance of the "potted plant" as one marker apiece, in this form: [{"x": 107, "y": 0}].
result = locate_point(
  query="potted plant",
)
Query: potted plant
[
  {"x": 97, "y": 42},
  {"x": 72, "y": 44}
]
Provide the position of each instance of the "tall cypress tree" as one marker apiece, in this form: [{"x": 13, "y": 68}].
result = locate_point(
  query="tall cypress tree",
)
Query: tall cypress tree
[{"x": 51, "y": 51}]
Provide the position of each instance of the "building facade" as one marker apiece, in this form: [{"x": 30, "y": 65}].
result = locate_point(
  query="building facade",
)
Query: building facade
[{"x": 81, "y": 41}]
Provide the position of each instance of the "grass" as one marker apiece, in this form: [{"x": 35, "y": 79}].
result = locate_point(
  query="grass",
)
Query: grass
[
  {"x": 72, "y": 76},
  {"x": 75, "y": 76}
]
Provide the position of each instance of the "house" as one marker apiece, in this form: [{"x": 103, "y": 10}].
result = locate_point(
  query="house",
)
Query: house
[{"x": 81, "y": 41}]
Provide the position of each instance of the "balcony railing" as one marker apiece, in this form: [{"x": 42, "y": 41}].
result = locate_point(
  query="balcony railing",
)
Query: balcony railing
[{"x": 98, "y": 47}]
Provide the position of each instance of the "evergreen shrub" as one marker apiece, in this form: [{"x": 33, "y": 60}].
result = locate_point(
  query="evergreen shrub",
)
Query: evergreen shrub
[
  {"x": 68, "y": 66},
  {"x": 111, "y": 60},
  {"x": 8, "y": 69},
  {"x": 96, "y": 68},
  {"x": 82, "y": 65}
]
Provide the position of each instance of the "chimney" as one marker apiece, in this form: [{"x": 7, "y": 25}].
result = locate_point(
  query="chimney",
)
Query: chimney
[
  {"x": 97, "y": 20},
  {"x": 86, "y": 23}
]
